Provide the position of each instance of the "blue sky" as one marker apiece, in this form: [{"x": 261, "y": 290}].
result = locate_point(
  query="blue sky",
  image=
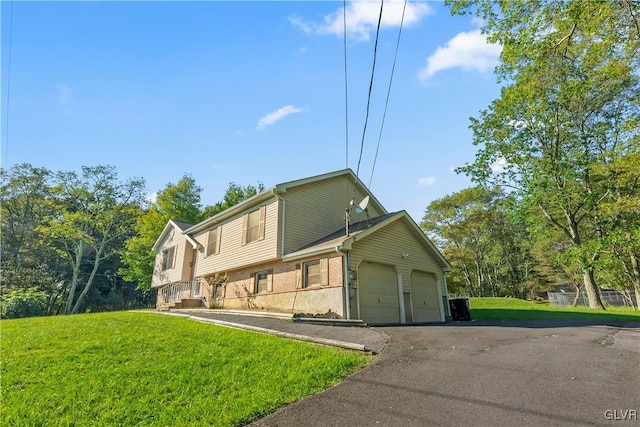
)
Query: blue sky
[{"x": 244, "y": 92}]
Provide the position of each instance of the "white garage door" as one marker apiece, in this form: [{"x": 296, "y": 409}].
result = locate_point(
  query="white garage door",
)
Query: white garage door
[
  {"x": 378, "y": 293},
  {"x": 424, "y": 297}
]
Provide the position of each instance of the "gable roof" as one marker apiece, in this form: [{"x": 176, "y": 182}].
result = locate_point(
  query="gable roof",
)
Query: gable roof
[
  {"x": 339, "y": 240},
  {"x": 277, "y": 191},
  {"x": 172, "y": 224}
]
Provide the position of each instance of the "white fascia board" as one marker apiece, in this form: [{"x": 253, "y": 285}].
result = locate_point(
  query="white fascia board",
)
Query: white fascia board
[
  {"x": 311, "y": 252},
  {"x": 165, "y": 230},
  {"x": 195, "y": 244}
]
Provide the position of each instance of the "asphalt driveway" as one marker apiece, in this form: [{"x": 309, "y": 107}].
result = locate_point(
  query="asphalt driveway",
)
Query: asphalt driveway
[{"x": 474, "y": 374}]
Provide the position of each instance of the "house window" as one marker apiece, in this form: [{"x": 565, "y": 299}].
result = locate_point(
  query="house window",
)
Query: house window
[
  {"x": 253, "y": 227},
  {"x": 312, "y": 274},
  {"x": 168, "y": 258},
  {"x": 213, "y": 242},
  {"x": 262, "y": 282}
]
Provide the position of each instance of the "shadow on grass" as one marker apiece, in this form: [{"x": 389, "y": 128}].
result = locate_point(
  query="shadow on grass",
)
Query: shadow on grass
[{"x": 547, "y": 318}]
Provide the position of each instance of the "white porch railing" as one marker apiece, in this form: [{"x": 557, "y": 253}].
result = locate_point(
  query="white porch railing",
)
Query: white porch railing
[{"x": 175, "y": 292}]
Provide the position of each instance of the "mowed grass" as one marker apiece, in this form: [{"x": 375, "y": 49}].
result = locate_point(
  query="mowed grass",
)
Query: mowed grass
[
  {"x": 517, "y": 309},
  {"x": 127, "y": 369}
]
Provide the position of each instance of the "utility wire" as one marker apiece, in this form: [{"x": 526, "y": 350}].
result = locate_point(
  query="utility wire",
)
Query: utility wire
[
  {"x": 373, "y": 68},
  {"x": 346, "y": 90},
  {"x": 386, "y": 104},
  {"x": 6, "y": 124},
  {"x": 346, "y": 87}
]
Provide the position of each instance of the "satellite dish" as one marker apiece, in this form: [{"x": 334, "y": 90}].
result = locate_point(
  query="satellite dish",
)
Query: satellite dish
[{"x": 362, "y": 206}]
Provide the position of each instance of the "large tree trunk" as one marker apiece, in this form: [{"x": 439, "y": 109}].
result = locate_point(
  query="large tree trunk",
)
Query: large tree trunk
[
  {"x": 87, "y": 287},
  {"x": 74, "y": 279},
  {"x": 591, "y": 288},
  {"x": 636, "y": 279}
]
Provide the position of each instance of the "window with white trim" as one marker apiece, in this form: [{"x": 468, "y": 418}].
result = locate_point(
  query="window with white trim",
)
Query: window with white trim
[
  {"x": 168, "y": 258},
  {"x": 312, "y": 274},
  {"x": 262, "y": 282},
  {"x": 213, "y": 242},
  {"x": 253, "y": 226}
]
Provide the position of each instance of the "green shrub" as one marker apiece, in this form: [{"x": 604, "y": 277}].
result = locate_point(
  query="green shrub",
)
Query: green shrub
[{"x": 23, "y": 303}]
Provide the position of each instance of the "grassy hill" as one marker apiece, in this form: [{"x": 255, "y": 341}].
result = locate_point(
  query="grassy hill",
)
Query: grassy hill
[{"x": 142, "y": 369}]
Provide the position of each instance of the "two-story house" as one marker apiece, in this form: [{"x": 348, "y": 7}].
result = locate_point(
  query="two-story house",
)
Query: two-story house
[{"x": 306, "y": 246}]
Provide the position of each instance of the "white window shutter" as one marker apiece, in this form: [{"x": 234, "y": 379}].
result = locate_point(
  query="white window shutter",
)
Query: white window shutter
[
  {"x": 219, "y": 236},
  {"x": 244, "y": 229},
  {"x": 263, "y": 211},
  {"x": 298, "y": 276},
  {"x": 270, "y": 281}
]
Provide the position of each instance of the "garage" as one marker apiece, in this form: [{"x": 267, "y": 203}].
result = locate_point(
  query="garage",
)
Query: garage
[
  {"x": 378, "y": 293},
  {"x": 424, "y": 297}
]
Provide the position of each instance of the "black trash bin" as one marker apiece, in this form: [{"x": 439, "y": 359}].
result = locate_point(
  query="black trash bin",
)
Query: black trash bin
[{"x": 460, "y": 309}]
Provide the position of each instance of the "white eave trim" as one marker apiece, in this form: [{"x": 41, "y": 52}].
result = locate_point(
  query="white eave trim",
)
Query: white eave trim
[
  {"x": 195, "y": 244},
  {"x": 316, "y": 250}
]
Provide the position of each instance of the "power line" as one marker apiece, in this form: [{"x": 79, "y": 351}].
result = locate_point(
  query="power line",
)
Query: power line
[
  {"x": 386, "y": 104},
  {"x": 373, "y": 68},
  {"x": 346, "y": 87}
]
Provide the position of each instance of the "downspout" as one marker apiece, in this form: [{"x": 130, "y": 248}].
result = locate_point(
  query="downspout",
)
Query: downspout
[
  {"x": 281, "y": 199},
  {"x": 345, "y": 263}
]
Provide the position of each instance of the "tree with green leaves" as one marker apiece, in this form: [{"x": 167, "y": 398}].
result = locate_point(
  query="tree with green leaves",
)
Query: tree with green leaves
[
  {"x": 568, "y": 111},
  {"x": 27, "y": 262},
  {"x": 486, "y": 244},
  {"x": 235, "y": 194},
  {"x": 97, "y": 212},
  {"x": 180, "y": 201}
]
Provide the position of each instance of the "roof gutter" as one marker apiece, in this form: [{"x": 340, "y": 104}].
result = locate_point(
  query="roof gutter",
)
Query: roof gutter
[{"x": 311, "y": 252}]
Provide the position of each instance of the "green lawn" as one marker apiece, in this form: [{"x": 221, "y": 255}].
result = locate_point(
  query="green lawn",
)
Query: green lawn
[
  {"x": 517, "y": 309},
  {"x": 130, "y": 369}
]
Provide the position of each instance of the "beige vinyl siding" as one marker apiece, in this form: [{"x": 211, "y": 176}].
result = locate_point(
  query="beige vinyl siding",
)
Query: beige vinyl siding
[
  {"x": 317, "y": 209},
  {"x": 386, "y": 246},
  {"x": 181, "y": 269},
  {"x": 232, "y": 254}
]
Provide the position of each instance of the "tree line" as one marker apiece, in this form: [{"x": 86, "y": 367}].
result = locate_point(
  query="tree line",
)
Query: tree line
[
  {"x": 557, "y": 175},
  {"x": 558, "y": 164},
  {"x": 76, "y": 242}
]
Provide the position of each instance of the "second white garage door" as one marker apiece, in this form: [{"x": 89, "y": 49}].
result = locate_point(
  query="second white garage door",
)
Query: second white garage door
[
  {"x": 424, "y": 297},
  {"x": 378, "y": 293}
]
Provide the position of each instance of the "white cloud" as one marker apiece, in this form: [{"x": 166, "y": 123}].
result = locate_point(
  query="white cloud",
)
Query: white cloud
[
  {"x": 362, "y": 18},
  {"x": 276, "y": 115},
  {"x": 152, "y": 197},
  {"x": 452, "y": 169},
  {"x": 499, "y": 165},
  {"x": 426, "y": 181},
  {"x": 467, "y": 50}
]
